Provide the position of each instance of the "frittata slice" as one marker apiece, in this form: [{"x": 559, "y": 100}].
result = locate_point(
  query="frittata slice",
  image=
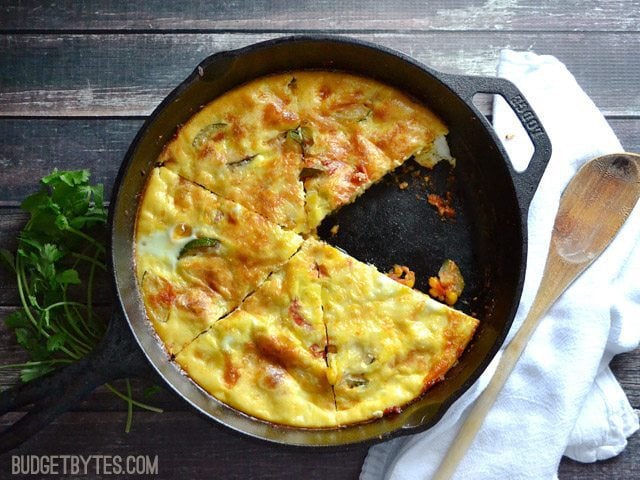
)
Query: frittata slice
[
  {"x": 198, "y": 255},
  {"x": 355, "y": 130},
  {"x": 388, "y": 343},
  {"x": 238, "y": 147},
  {"x": 267, "y": 358}
]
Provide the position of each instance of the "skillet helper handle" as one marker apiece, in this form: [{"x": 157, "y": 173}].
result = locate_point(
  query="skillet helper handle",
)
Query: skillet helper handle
[
  {"x": 116, "y": 356},
  {"x": 526, "y": 182}
]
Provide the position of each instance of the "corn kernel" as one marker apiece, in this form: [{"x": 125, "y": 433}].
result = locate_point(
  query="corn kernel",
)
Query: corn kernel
[{"x": 451, "y": 297}]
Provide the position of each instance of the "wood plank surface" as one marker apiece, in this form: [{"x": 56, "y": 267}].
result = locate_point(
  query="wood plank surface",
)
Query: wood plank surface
[
  {"x": 320, "y": 15},
  {"x": 187, "y": 446},
  {"x": 31, "y": 148},
  {"x": 626, "y": 368},
  {"x": 624, "y": 466},
  {"x": 128, "y": 75}
]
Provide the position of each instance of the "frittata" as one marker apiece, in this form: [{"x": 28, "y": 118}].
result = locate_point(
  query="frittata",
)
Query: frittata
[{"x": 256, "y": 310}]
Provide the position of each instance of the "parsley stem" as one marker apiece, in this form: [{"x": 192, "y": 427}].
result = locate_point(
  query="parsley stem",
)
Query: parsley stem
[
  {"x": 31, "y": 363},
  {"x": 64, "y": 303},
  {"x": 92, "y": 261},
  {"x": 127, "y": 427},
  {"x": 71, "y": 352},
  {"x": 96, "y": 336},
  {"x": 73, "y": 355},
  {"x": 87, "y": 323},
  {"x": 22, "y": 286},
  {"x": 86, "y": 341},
  {"x": 80, "y": 346},
  {"x": 92, "y": 271},
  {"x": 71, "y": 319},
  {"x": 144, "y": 406}
]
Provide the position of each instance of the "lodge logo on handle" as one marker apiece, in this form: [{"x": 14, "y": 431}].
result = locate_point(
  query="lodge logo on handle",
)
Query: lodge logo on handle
[{"x": 527, "y": 116}]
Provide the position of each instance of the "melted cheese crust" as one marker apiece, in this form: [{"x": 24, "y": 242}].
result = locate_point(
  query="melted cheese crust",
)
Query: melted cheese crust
[{"x": 288, "y": 330}]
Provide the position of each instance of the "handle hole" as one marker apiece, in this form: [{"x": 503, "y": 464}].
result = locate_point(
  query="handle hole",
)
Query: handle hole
[
  {"x": 512, "y": 134},
  {"x": 508, "y": 128},
  {"x": 484, "y": 103}
]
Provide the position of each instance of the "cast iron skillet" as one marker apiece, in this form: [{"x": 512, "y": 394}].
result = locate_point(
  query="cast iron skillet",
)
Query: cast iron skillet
[{"x": 488, "y": 237}]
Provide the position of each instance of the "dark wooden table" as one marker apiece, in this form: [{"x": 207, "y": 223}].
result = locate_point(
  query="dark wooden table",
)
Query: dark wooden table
[{"x": 77, "y": 80}]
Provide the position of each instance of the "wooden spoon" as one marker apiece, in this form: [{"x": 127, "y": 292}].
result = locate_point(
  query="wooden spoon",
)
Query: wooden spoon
[{"x": 593, "y": 207}]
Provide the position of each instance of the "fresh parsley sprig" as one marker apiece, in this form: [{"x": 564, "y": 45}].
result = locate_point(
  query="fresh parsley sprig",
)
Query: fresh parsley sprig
[{"x": 60, "y": 251}]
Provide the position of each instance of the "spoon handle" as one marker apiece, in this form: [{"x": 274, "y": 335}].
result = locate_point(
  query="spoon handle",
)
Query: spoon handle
[
  {"x": 592, "y": 209},
  {"x": 558, "y": 275},
  {"x": 485, "y": 401}
]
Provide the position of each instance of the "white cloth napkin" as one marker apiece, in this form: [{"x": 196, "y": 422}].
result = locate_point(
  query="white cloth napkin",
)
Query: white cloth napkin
[{"x": 561, "y": 398}]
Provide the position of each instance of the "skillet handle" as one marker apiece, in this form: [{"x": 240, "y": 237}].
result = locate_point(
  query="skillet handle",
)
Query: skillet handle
[
  {"x": 116, "y": 356},
  {"x": 525, "y": 182}
]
